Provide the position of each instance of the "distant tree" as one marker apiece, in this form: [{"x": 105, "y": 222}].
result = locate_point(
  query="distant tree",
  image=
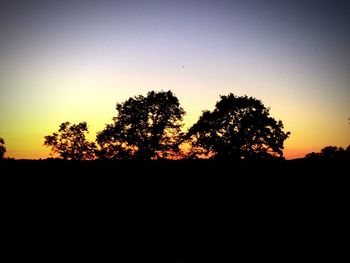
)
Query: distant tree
[
  {"x": 313, "y": 155},
  {"x": 238, "y": 128},
  {"x": 70, "y": 142},
  {"x": 2, "y": 148},
  {"x": 330, "y": 153},
  {"x": 347, "y": 152},
  {"x": 145, "y": 127}
]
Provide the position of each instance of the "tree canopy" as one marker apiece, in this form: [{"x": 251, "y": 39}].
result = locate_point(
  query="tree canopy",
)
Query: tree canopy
[
  {"x": 70, "y": 142},
  {"x": 238, "y": 128},
  {"x": 2, "y": 148},
  {"x": 149, "y": 127},
  {"x": 146, "y": 127}
]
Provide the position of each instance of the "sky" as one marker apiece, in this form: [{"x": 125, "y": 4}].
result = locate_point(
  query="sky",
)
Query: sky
[{"x": 74, "y": 60}]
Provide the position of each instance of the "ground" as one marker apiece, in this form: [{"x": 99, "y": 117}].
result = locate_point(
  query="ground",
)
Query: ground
[{"x": 198, "y": 211}]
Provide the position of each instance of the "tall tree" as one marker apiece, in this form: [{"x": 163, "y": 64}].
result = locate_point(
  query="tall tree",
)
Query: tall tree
[
  {"x": 145, "y": 127},
  {"x": 238, "y": 128},
  {"x": 2, "y": 148},
  {"x": 70, "y": 142}
]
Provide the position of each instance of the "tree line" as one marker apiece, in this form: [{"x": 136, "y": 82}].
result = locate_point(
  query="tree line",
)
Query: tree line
[
  {"x": 151, "y": 127},
  {"x": 330, "y": 153}
]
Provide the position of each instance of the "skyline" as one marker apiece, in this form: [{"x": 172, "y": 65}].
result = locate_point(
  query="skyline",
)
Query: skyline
[{"x": 73, "y": 62}]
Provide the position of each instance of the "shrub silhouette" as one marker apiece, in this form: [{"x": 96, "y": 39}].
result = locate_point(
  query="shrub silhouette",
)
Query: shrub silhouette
[
  {"x": 238, "y": 127},
  {"x": 70, "y": 142},
  {"x": 145, "y": 127},
  {"x": 2, "y": 148}
]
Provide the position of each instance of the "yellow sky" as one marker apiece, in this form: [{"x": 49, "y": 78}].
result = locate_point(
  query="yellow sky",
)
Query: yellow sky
[{"x": 75, "y": 97}]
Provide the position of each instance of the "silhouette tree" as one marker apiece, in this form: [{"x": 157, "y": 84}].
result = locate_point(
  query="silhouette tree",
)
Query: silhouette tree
[
  {"x": 347, "y": 152},
  {"x": 145, "y": 127},
  {"x": 313, "y": 155},
  {"x": 238, "y": 128},
  {"x": 2, "y": 148},
  {"x": 330, "y": 153},
  {"x": 70, "y": 142}
]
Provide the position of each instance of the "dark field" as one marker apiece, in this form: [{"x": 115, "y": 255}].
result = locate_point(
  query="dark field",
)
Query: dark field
[{"x": 190, "y": 211}]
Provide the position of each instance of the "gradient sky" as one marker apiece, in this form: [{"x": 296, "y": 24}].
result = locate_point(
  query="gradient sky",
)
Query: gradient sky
[{"x": 74, "y": 60}]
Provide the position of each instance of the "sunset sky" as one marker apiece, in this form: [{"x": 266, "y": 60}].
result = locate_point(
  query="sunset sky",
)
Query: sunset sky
[{"x": 74, "y": 60}]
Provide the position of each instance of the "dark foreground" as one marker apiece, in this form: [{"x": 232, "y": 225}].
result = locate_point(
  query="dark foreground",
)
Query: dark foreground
[{"x": 295, "y": 211}]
